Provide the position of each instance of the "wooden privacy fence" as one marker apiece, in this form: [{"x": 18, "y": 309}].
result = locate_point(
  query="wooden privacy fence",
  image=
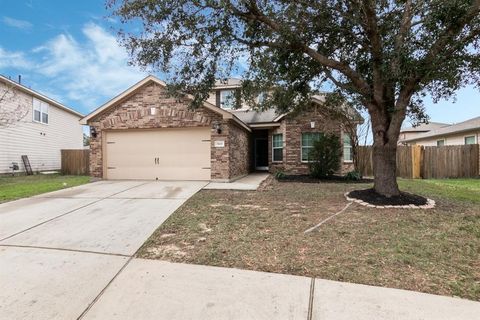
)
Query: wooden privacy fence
[
  {"x": 76, "y": 162},
  {"x": 428, "y": 162}
]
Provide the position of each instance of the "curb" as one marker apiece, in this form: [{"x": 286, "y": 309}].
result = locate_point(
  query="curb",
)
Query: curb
[{"x": 429, "y": 205}]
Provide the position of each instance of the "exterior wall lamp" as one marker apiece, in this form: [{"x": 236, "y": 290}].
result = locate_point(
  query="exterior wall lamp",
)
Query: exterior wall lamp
[
  {"x": 93, "y": 132},
  {"x": 217, "y": 127}
]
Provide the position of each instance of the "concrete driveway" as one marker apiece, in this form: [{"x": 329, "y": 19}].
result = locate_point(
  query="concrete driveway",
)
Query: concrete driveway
[{"x": 59, "y": 250}]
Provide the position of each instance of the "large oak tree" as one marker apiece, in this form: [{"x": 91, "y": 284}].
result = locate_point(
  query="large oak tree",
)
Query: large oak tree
[{"x": 381, "y": 55}]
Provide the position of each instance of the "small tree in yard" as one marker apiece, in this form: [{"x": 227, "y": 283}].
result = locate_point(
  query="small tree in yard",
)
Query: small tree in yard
[
  {"x": 12, "y": 110},
  {"x": 324, "y": 158},
  {"x": 380, "y": 55}
]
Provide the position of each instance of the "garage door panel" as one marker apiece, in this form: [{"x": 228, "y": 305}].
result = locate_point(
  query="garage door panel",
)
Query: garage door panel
[
  {"x": 184, "y": 173},
  {"x": 166, "y": 154}
]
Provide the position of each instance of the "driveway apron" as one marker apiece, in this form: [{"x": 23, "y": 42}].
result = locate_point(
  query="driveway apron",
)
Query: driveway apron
[{"x": 58, "y": 251}]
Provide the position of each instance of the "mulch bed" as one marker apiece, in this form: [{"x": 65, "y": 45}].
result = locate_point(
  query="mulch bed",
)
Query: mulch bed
[
  {"x": 371, "y": 197},
  {"x": 309, "y": 179}
]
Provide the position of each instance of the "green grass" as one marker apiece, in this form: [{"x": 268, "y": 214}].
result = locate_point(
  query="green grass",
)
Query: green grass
[
  {"x": 467, "y": 190},
  {"x": 12, "y": 188}
]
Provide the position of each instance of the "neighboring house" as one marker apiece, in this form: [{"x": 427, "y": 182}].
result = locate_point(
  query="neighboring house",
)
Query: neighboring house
[
  {"x": 144, "y": 134},
  {"x": 411, "y": 132},
  {"x": 44, "y": 128},
  {"x": 466, "y": 132}
]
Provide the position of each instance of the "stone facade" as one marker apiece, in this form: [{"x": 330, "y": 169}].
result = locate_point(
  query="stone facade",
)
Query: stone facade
[
  {"x": 292, "y": 127},
  {"x": 231, "y": 161},
  {"x": 239, "y": 151},
  {"x": 134, "y": 112}
]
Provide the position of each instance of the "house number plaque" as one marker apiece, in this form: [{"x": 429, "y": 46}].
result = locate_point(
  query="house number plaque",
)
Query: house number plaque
[{"x": 219, "y": 144}]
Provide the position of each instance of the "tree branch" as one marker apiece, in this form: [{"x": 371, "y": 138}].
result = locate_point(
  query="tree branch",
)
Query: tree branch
[
  {"x": 254, "y": 14},
  {"x": 425, "y": 66},
  {"x": 453, "y": 30},
  {"x": 405, "y": 27},
  {"x": 376, "y": 48}
]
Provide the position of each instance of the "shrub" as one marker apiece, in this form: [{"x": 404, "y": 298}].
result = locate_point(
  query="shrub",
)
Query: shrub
[
  {"x": 324, "y": 157},
  {"x": 353, "y": 176},
  {"x": 279, "y": 175}
]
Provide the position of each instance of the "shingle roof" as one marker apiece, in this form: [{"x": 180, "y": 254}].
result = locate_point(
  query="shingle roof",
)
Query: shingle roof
[
  {"x": 271, "y": 115},
  {"x": 228, "y": 83},
  {"x": 38, "y": 95},
  {"x": 424, "y": 127},
  {"x": 251, "y": 116},
  {"x": 468, "y": 125}
]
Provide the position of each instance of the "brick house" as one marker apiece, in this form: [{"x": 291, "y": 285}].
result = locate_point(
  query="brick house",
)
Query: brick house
[{"x": 145, "y": 134}]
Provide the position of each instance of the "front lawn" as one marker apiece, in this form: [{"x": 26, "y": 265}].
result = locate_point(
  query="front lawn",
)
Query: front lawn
[
  {"x": 435, "y": 251},
  {"x": 460, "y": 190},
  {"x": 12, "y": 188}
]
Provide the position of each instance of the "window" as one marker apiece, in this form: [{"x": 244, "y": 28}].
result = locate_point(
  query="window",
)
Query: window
[
  {"x": 308, "y": 139},
  {"x": 227, "y": 99},
  {"x": 277, "y": 147},
  {"x": 262, "y": 97},
  {"x": 470, "y": 140},
  {"x": 40, "y": 111},
  {"x": 440, "y": 143},
  {"x": 347, "y": 148}
]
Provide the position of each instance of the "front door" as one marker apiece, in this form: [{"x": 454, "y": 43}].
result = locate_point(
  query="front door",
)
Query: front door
[{"x": 261, "y": 154}]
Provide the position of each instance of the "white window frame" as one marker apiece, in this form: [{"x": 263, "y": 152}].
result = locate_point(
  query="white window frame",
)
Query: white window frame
[
  {"x": 222, "y": 100},
  {"x": 443, "y": 141},
  {"x": 470, "y": 136},
  {"x": 301, "y": 145},
  {"x": 273, "y": 148},
  {"x": 343, "y": 150},
  {"x": 262, "y": 96},
  {"x": 43, "y": 108}
]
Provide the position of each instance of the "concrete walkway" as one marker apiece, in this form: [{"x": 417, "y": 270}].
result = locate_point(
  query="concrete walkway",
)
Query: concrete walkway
[
  {"x": 250, "y": 182},
  {"x": 69, "y": 255}
]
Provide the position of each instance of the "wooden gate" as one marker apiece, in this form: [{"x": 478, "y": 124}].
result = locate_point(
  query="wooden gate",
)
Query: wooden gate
[{"x": 76, "y": 162}]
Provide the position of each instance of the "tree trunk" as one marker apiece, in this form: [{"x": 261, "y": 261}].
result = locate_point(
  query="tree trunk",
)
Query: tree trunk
[{"x": 384, "y": 169}]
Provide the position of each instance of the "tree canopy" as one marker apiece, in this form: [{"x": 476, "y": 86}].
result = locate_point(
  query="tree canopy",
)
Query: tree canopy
[{"x": 381, "y": 55}]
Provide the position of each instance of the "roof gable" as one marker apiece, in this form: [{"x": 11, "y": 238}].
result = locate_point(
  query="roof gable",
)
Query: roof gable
[
  {"x": 425, "y": 127},
  {"x": 152, "y": 79}
]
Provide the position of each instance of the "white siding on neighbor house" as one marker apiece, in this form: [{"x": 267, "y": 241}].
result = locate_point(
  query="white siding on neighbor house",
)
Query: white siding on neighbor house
[
  {"x": 450, "y": 140},
  {"x": 40, "y": 142},
  {"x": 409, "y": 135}
]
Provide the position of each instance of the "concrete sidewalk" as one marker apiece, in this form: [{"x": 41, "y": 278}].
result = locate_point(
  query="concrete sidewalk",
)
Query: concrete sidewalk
[
  {"x": 250, "y": 182},
  {"x": 150, "y": 289}
]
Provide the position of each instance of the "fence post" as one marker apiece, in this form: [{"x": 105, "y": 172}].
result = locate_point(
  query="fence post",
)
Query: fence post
[{"x": 416, "y": 161}]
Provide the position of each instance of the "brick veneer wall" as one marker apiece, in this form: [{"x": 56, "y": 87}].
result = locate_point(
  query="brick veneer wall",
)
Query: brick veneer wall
[
  {"x": 239, "y": 151},
  {"x": 134, "y": 113},
  {"x": 292, "y": 128}
]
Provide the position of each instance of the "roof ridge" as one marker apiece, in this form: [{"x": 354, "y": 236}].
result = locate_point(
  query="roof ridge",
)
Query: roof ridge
[{"x": 40, "y": 95}]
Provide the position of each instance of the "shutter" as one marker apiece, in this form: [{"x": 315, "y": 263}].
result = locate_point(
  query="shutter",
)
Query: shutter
[{"x": 217, "y": 98}]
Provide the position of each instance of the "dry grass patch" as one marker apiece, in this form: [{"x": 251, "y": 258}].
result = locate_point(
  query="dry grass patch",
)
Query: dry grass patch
[{"x": 435, "y": 251}]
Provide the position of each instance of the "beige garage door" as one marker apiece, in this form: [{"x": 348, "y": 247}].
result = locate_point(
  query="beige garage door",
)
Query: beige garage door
[{"x": 163, "y": 154}]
